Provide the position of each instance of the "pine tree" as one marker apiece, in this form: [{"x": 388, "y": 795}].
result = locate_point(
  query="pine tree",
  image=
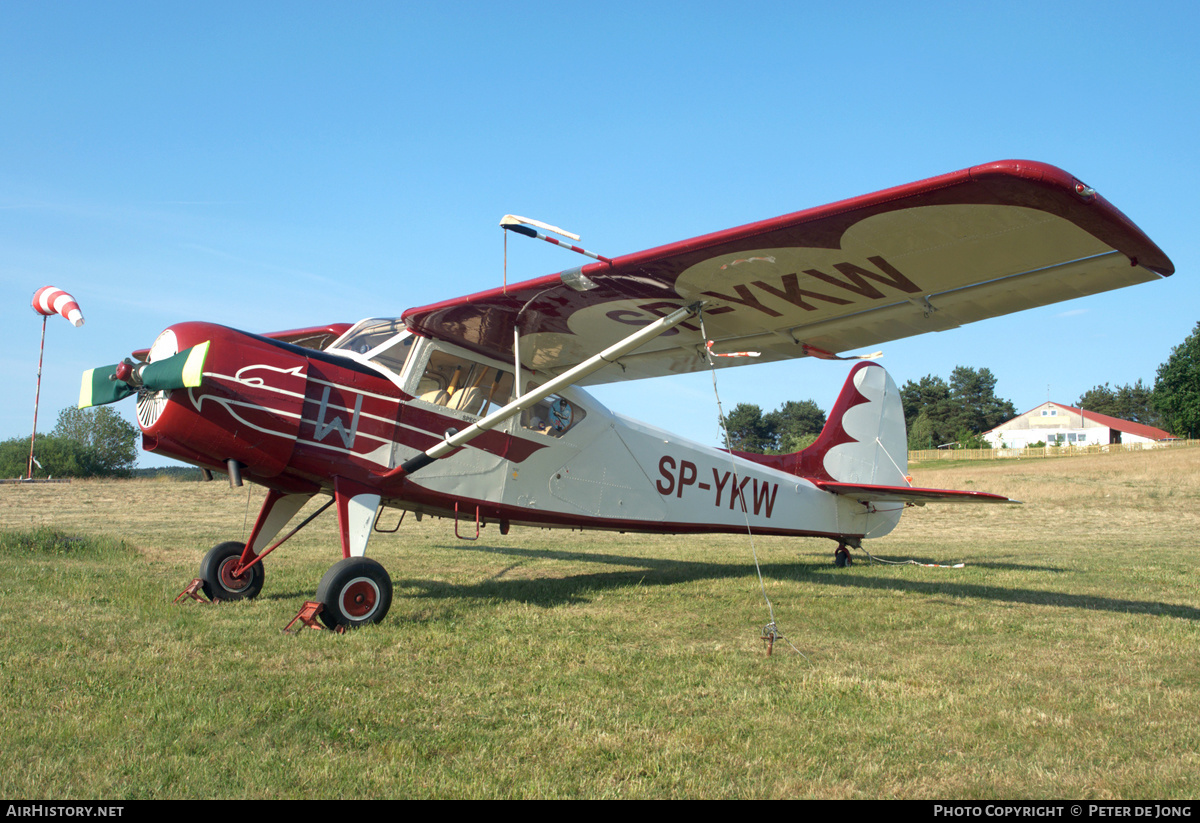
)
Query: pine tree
[{"x": 1177, "y": 388}]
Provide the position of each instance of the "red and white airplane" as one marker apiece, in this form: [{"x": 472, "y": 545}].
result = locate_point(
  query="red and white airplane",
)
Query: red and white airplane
[{"x": 474, "y": 408}]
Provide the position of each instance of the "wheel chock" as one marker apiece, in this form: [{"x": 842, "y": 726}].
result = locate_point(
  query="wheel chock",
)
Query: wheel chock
[
  {"x": 193, "y": 591},
  {"x": 308, "y": 615}
]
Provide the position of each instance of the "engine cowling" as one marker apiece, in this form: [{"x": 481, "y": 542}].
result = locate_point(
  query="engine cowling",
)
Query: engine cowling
[{"x": 247, "y": 408}]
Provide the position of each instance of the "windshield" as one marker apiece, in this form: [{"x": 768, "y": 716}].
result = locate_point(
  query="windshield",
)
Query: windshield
[
  {"x": 386, "y": 343},
  {"x": 367, "y": 334}
]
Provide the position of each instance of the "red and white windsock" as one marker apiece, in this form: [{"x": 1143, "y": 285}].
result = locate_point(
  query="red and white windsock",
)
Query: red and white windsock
[{"x": 50, "y": 300}]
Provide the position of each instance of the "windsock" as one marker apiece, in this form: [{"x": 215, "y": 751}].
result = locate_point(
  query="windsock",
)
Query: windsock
[{"x": 50, "y": 300}]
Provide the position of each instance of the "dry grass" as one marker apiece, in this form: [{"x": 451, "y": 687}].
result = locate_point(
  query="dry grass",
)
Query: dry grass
[
  {"x": 1058, "y": 663},
  {"x": 1092, "y": 504}
]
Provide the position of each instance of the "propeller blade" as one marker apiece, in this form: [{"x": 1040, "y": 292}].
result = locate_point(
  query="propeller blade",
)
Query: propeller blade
[
  {"x": 179, "y": 371},
  {"x": 101, "y": 386},
  {"x": 108, "y": 384}
]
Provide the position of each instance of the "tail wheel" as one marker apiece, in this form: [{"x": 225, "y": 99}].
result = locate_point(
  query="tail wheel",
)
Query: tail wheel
[
  {"x": 841, "y": 557},
  {"x": 221, "y": 583},
  {"x": 354, "y": 592}
]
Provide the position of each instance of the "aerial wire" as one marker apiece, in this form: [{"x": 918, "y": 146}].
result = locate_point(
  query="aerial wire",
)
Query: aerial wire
[{"x": 771, "y": 630}]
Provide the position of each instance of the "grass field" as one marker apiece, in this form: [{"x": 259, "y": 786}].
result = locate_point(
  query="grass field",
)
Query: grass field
[{"x": 1059, "y": 662}]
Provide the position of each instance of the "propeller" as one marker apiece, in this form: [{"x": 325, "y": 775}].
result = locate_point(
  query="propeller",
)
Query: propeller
[{"x": 108, "y": 384}]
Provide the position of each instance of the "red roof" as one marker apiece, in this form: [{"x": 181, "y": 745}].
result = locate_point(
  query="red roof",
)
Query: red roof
[
  {"x": 1140, "y": 429},
  {"x": 1127, "y": 426}
]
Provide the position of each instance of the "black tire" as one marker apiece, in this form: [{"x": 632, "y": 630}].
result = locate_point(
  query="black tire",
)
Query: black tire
[
  {"x": 841, "y": 557},
  {"x": 216, "y": 570},
  {"x": 355, "y": 591}
]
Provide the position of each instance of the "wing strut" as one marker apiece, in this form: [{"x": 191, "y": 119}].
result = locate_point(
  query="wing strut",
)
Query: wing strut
[{"x": 568, "y": 378}]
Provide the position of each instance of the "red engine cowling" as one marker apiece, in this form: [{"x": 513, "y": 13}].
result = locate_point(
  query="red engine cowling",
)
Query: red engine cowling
[{"x": 248, "y": 407}]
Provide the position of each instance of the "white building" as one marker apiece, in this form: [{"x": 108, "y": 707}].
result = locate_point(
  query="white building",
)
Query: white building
[{"x": 1068, "y": 426}]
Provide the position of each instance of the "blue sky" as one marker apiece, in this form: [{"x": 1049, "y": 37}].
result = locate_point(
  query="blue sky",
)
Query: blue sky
[{"x": 277, "y": 165}]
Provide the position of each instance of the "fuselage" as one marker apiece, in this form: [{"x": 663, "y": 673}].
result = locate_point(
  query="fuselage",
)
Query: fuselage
[{"x": 296, "y": 420}]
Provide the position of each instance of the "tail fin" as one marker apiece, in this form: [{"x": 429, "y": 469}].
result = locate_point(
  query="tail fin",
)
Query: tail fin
[{"x": 864, "y": 439}]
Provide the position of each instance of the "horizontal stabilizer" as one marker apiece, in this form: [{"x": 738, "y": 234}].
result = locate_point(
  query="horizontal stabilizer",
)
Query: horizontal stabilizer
[{"x": 908, "y": 494}]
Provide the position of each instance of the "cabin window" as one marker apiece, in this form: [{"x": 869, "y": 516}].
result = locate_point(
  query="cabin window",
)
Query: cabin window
[
  {"x": 463, "y": 385},
  {"x": 394, "y": 357},
  {"x": 553, "y": 416}
]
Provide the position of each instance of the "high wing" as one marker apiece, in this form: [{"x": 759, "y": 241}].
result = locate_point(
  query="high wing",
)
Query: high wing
[{"x": 928, "y": 256}]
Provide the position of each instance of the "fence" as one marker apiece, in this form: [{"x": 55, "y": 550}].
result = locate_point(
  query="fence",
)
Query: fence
[{"x": 925, "y": 455}]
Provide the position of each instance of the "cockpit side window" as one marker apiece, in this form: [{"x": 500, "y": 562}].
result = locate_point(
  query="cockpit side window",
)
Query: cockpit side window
[
  {"x": 464, "y": 385},
  {"x": 554, "y": 415},
  {"x": 393, "y": 357}
]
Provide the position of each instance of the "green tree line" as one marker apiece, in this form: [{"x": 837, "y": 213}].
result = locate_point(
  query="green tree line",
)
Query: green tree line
[
  {"x": 94, "y": 442},
  {"x": 938, "y": 412},
  {"x": 1176, "y": 395},
  {"x": 790, "y": 428}
]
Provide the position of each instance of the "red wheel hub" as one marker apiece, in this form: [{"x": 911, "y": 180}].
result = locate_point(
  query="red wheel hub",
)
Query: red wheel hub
[
  {"x": 359, "y": 598},
  {"x": 230, "y": 581}
]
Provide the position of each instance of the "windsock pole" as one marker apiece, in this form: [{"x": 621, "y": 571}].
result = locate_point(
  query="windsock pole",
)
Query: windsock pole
[
  {"x": 37, "y": 396},
  {"x": 46, "y": 301}
]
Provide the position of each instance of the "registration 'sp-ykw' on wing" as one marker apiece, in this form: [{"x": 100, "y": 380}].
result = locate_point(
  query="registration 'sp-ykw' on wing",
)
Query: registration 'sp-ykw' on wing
[{"x": 928, "y": 256}]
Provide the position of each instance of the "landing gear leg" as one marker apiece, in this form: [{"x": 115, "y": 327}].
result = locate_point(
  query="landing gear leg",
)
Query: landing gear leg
[
  {"x": 356, "y": 590},
  {"x": 221, "y": 572}
]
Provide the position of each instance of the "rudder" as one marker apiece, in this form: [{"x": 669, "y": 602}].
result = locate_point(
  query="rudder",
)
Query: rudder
[{"x": 864, "y": 439}]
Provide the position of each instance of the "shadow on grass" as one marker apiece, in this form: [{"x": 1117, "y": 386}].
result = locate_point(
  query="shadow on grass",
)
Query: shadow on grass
[
  {"x": 573, "y": 588},
  {"x": 835, "y": 577},
  {"x": 554, "y": 591}
]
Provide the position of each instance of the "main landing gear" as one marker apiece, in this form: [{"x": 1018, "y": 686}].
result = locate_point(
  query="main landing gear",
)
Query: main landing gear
[
  {"x": 354, "y": 592},
  {"x": 221, "y": 578}
]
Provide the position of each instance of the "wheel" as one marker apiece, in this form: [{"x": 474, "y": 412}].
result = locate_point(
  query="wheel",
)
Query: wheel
[
  {"x": 355, "y": 591},
  {"x": 220, "y": 583},
  {"x": 841, "y": 557}
]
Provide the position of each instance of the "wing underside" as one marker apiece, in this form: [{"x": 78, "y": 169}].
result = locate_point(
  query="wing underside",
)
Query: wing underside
[{"x": 930, "y": 256}]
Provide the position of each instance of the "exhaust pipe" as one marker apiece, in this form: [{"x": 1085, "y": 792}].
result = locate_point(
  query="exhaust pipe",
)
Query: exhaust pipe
[{"x": 235, "y": 472}]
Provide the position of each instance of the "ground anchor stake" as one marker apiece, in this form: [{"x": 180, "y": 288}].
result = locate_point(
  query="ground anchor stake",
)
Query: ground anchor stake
[{"x": 769, "y": 633}]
